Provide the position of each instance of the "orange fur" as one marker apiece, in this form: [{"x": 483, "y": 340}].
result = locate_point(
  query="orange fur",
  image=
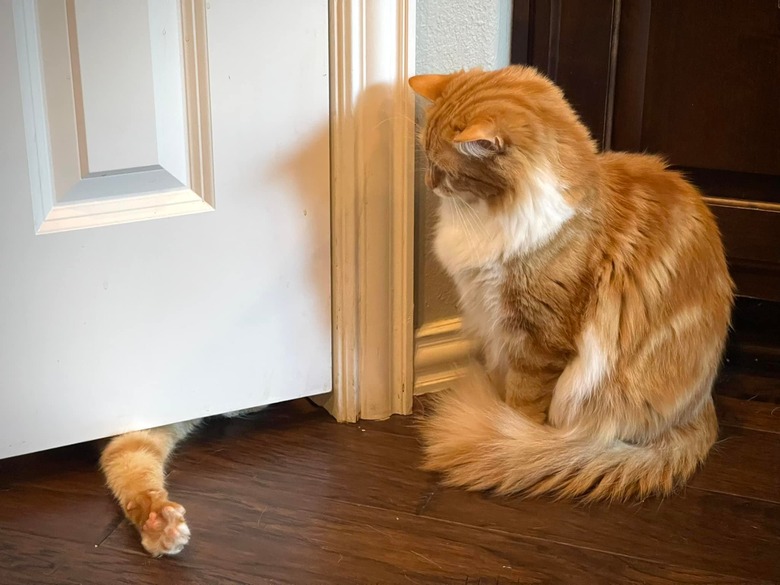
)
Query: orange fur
[
  {"x": 134, "y": 467},
  {"x": 595, "y": 284}
]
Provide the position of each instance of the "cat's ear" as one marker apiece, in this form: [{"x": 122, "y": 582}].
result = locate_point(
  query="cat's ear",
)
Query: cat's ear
[
  {"x": 429, "y": 86},
  {"x": 480, "y": 139}
]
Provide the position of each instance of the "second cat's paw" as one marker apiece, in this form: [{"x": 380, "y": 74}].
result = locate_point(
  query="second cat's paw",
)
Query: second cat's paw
[{"x": 165, "y": 531}]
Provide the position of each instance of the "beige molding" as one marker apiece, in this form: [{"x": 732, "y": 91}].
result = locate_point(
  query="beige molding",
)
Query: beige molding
[
  {"x": 372, "y": 208},
  {"x": 441, "y": 352}
]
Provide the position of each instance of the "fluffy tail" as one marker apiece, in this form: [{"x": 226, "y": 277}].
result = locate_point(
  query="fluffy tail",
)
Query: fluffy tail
[{"x": 480, "y": 443}]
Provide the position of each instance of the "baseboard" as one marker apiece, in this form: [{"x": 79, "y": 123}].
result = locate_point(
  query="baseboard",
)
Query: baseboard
[{"x": 440, "y": 355}]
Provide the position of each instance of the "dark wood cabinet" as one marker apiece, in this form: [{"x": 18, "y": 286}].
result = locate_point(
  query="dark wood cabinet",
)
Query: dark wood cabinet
[{"x": 697, "y": 81}]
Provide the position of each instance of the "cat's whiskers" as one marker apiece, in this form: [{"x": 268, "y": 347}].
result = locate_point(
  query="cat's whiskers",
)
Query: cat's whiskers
[
  {"x": 394, "y": 118},
  {"x": 462, "y": 220},
  {"x": 469, "y": 220},
  {"x": 475, "y": 217}
]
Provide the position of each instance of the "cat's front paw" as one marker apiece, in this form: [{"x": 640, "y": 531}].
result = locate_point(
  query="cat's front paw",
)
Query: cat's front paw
[
  {"x": 165, "y": 532},
  {"x": 160, "y": 522}
]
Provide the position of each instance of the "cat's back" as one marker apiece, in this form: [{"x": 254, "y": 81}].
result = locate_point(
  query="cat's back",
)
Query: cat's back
[
  {"x": 643, "y": 195},
  {"x": 660, "y": 233},
  {"x": 632, "y": 178}
]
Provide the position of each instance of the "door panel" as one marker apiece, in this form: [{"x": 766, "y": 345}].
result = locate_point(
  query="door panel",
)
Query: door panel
[
  {"x": 121, "y": 307},
  {"x": 116, "y": 107},
  {"x": 712, "y": 85}
]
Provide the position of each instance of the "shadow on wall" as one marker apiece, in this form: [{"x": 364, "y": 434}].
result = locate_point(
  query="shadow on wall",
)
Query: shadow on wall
[
  {"x": 373, "y": 118},
  {"x": 453, "y": 35},
  {"x": 435, "y": 297}
]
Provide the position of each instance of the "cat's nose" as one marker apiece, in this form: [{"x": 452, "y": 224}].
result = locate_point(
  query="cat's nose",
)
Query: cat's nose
[{"x": 433, "y": 177}]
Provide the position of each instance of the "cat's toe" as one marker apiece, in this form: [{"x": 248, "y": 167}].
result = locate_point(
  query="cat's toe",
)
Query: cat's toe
[{"x": 165, "y": 531}]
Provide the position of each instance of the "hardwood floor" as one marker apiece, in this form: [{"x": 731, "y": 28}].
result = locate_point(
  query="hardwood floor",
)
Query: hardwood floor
[{"x": 289, "y": 496}]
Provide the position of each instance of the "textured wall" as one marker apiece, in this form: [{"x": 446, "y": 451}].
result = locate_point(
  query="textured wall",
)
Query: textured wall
[
  {"x": 455, "y": 34},
  {"x": 451, "y": 35}
]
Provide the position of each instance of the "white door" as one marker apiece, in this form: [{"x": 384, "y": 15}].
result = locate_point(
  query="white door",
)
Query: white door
[{"x": 164, "y": 212}]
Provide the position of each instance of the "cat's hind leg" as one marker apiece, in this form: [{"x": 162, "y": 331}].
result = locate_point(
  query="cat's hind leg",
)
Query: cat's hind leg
[{"x": 134, "y": 467}]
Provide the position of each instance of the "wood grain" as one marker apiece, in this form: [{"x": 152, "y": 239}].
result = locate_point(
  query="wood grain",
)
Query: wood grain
[
  {"x": 748, "y": 414},
  {"x": 692, "y": 529},
  {"x": 289, "y": 496},
  {"x": 734, "y": 463},
  {"x": 293, "y": 536}
]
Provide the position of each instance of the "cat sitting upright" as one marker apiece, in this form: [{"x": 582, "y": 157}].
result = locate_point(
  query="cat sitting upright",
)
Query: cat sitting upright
[{"x": 595, "y": 285}]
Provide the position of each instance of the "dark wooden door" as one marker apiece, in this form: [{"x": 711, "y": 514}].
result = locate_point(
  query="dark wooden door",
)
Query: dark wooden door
[{"x": 695, "y": 80}]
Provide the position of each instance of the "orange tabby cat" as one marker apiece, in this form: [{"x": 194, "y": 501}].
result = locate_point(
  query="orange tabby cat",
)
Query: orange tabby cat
[
  {"x": 134, "y": 467},
  {"x": 595, "y": 285}
]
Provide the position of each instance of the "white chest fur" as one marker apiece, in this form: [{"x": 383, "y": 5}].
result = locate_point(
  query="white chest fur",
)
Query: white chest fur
[
  {"x": 472, "y": 235},
  {"x": 473, "y": 243},
  {"x": 480, "y": 301}
]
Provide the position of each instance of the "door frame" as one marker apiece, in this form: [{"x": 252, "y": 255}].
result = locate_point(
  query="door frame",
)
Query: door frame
[{"x": 372, "y": 208}]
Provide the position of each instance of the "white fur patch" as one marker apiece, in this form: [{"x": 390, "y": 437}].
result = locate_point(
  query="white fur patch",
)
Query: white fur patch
[
  {"x": 474, "y": 148},
  {"x": 470, "y": 235},
  {"x": 472, "y": 242},
  {"x": 467, "y": 236},
  {"x": 480, "y": 301},
  {"x": 540, "y": 213},
  {"x": 579, "y": 379}
]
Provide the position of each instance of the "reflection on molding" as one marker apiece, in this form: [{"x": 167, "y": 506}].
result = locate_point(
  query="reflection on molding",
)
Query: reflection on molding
[
  {"x": 440, "y": 356},
  {"x": 372, "y": 207}
]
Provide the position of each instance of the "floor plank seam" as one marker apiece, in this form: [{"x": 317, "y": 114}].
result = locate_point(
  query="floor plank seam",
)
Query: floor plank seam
[
  {"x": 527, "y": 538},
  {"x": 733, "y": 495},
  {"x": 117, "y": 523},
  {"x": 731, "y": 425}
]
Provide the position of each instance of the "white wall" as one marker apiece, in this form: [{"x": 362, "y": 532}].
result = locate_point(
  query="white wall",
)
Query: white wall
[
  {"x": 451, "y": 35},
  {"x": 455, "y": 34}
]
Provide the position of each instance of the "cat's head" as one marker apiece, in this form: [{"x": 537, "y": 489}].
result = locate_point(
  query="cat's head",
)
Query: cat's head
[{"x": 489, "y": 134}]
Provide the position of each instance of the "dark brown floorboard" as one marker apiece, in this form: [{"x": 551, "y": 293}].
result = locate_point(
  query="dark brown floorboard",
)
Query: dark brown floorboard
[
  {"x": 756, "y": 415},
  {"x": 743, "y": 463},
  {"x": 744, "y": 384},
  {"x": 288, "y": 496}
]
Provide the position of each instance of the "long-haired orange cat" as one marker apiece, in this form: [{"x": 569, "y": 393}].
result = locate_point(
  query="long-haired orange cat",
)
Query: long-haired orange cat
[{"x": 595, "y": 285}]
